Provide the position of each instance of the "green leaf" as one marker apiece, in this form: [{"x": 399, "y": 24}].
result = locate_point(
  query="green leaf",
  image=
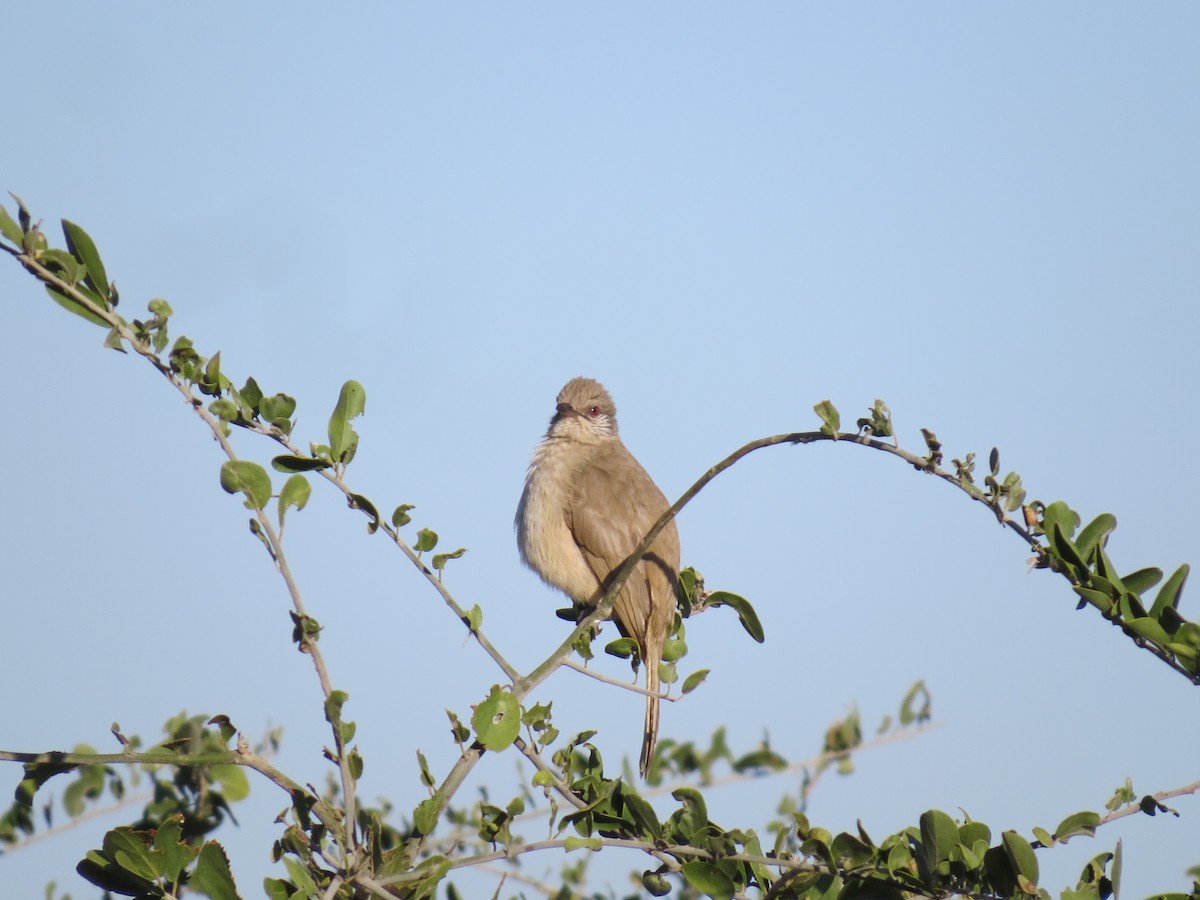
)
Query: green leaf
[
  {"x": 176, "y": 855},
  {"x": 831, "y": 419},
  {"x": 343, "y": 441},
  {"x": 1021, "y": 855},
  {"x": 400, "y": 516},
  {"x": 440, "y": 559},
  {"x": 1079, "y": 823},
  {"x": 642, "y": 812},
  {"x": 474, "y": 618},
  {"x": 212, "y": 877},
  {"x": 276, "y": 407},
  {"x": 84, "y": 250},
  {"x": 296, "y": 491},
  {"x": 674, "y": 650},
  {"x": 655, "y": 884},
  {"x": 970, "y": 832},
  {"x": 850, "y": 850},
  {"x": 909, "y": 711},
  {"x": 161, "y": 307},
  {"x": 235, "y": 785},
  {"x": 333, "y": 706},
  {"x": 288, "y": 463},
  {"x": 1098, "y": 599},
  {"x": 426, "y": 540},
  {"x": 10, "y": 229},
  {"x": 131, "y": 851},
  {"x": 1148, "y": 628},
  {"x": 224, "y": 409},
  {"x": 745, "y": 612},
  {"x": 72, "y": 305},
  {"x": 580, "y": 843},
  {"x": 1168, "y": 594},
  {"x": 497, "y": 720},
  {"x": 623, "y": 648},
  {"x": 88, "y": 785},
  {"x": 116, "y": 867},
  {"x": 1095, "y": 533},
  {"x": 1142, "y": 580},
  {"x": 708, "y": 880},
  {"x": 1062, "y": 515},
  {"x": 249, "y": 478},
  {"x": 425, "y": 816},
  {"x": 694, "y": 680},
  {"x": 358, "y": 501},
  {"x": 1067, "y": 550},
  {"x": 939, "y": 836}
]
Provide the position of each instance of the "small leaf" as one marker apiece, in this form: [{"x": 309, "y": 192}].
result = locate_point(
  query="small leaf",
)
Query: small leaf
[
  {"x": 426, "y": 540},
  {"x": 831, "y": 419},
  {"x": 622, "y": 648},
  {"x": 643, "y": 814},
  {"x": 939, "y": 835},
  {"x": 655, "y": 884},
  {"x": 224, "y": 409},
  {"x": 400, "y": 516},
  {"x": 296, "y": 491},
  {"x": 425, "y": 816},
  {"x": 909, "y": 711},
  {"x": 249, "y": 478},
  {"x": 212, "y": 877},
  {"x": 580, "y": 843},
  {"x": 10, "y": 229},
  {"x": 1079, "y": 823},
  {"x": 497, "y": 720},
  {"x": 84, "y": 250},
  {"x": 1168, "y": 594},
  {"x": 289, "y": 463},
  {"x": 708, "y": 880},
  {"x": 674, "y": 650},
  {"x": 22, "y": 212},
  {"x": 1021, "y": 855},
  {"x": 694, "y": 680},
  {"x": 1058, "y": 512},
  {"x": 474, "y": 618},
  {"x": 1142, "y": 580},
  {"x": 161, "y": 307},
  {"x": 1095, "y": 533},
  {"x": 72, "y": 305},
  {"x": 279, "y": 406},
  {"x": 745, "y": 612},
  {"x": 343, "y": 441},
  {"x": 440, "y": 559},
  {"x": 427, "y": 778},
  {"x": 358, "y": 501}
]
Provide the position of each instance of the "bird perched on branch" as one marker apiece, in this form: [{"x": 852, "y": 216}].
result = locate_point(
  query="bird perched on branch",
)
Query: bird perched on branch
[{"x": 587, "y": 504}]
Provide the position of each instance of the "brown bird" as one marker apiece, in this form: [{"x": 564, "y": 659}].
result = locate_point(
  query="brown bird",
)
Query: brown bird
[{"x": 587, "y": 504}]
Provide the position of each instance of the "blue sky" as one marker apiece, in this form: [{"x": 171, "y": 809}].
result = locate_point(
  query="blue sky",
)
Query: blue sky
[{"x": 984, "y": 214}]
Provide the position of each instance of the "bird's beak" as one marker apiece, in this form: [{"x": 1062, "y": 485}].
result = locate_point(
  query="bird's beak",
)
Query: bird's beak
[{"x": 564, "y": 409}]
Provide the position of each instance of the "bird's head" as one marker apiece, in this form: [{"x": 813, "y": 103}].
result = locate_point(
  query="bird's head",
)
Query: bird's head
[{"x": 585, "y": 412}]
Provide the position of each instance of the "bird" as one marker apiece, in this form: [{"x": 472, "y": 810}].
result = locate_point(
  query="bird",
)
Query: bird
[{"x": 586, "y": 505}]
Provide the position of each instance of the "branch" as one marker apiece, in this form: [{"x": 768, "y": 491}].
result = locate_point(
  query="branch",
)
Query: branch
[{"x": 121, "y": 328}]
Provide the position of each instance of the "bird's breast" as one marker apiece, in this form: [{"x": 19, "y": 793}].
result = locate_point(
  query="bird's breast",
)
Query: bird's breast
[{"x": 543, "y": 534}]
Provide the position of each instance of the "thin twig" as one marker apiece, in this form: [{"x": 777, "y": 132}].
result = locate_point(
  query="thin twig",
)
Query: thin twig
[{"x": 616, "y": 682}]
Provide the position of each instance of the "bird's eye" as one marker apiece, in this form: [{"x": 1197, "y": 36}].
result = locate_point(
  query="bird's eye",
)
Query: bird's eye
[{"x": 593, "y": 411}]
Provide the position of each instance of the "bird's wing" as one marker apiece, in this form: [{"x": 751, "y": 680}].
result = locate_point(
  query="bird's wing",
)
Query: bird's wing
[{"x": 616, "y": 503}]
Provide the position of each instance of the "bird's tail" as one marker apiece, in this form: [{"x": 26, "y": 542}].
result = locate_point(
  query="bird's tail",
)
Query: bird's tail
[{"x": 650, "y": 736}]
